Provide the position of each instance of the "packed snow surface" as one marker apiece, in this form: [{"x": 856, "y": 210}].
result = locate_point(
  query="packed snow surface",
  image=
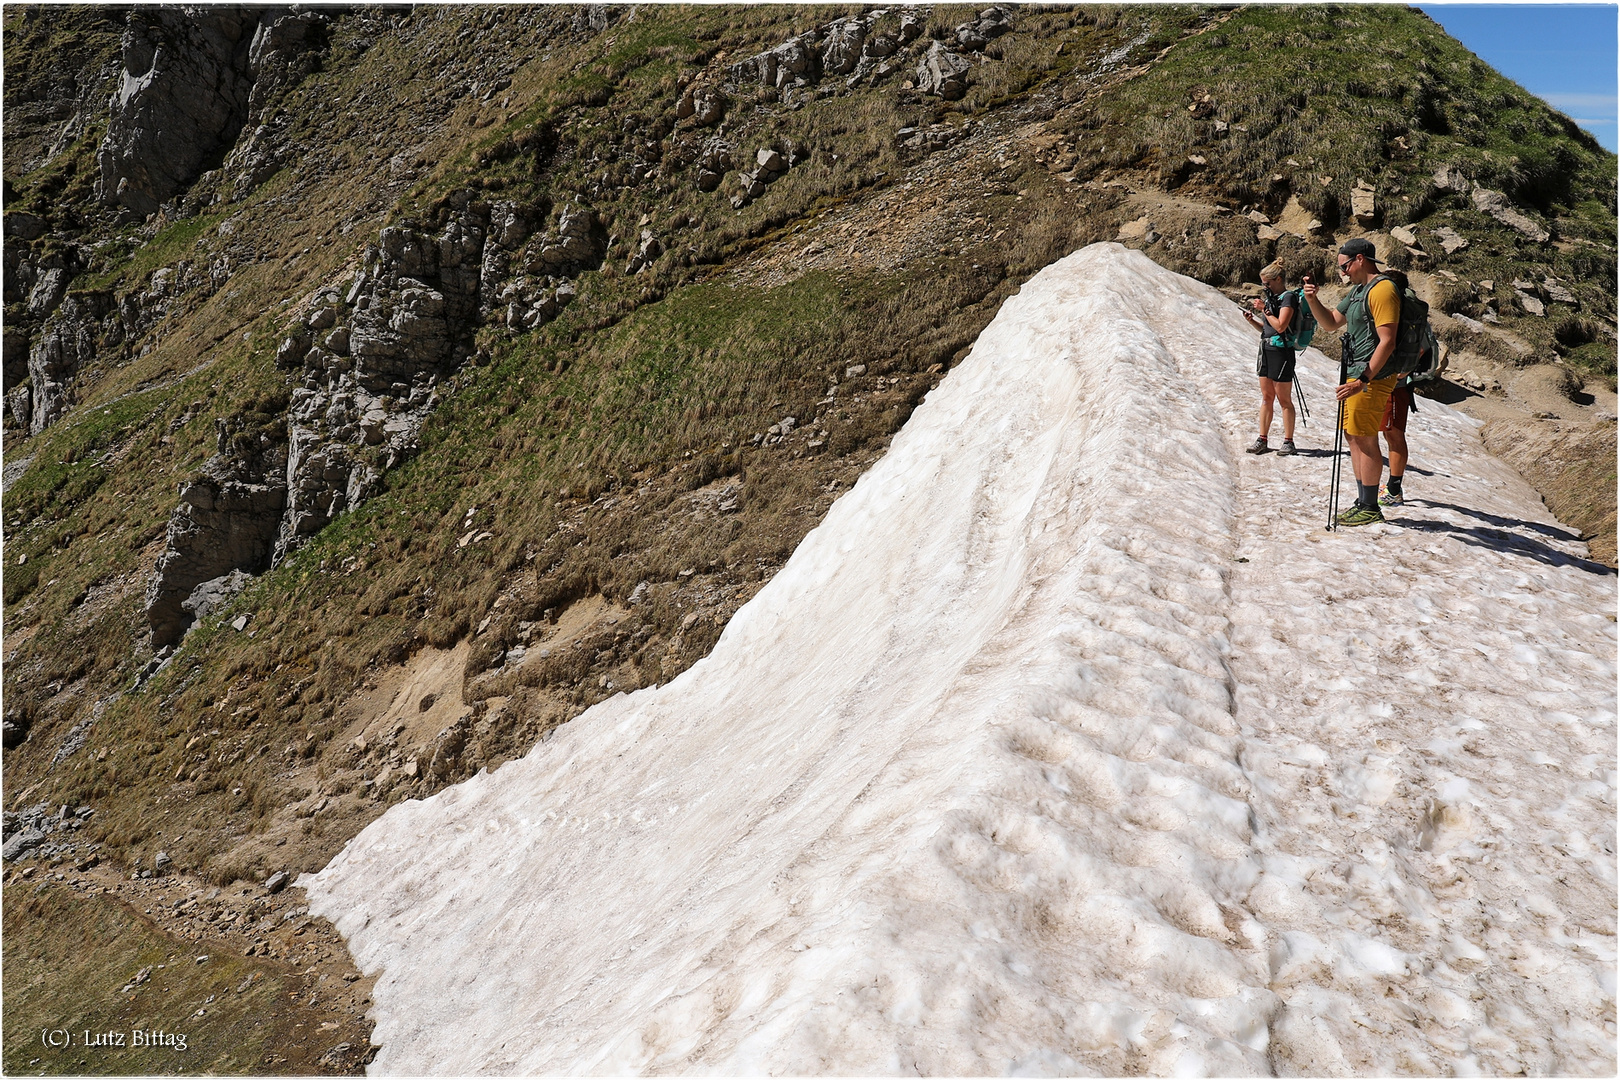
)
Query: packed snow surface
[{"x": 1069, "y": 742}]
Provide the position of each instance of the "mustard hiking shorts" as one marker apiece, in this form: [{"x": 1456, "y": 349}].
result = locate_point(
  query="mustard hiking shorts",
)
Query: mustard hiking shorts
[{"x": 1364, "y": 412}]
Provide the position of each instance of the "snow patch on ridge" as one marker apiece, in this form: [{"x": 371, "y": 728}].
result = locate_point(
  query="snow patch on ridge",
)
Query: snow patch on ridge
[{"x": 994, "y": 776}]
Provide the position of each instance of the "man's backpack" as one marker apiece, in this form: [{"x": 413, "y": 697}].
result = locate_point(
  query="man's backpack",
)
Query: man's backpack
[
  {"x": 1431, "y": 361},
  {"x": 1417, "y": 352}
]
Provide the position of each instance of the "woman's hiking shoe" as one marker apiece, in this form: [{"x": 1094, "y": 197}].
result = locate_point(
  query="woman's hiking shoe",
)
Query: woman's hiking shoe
[
  {"x": 1391, "y": 498},
  {"x": 1287, "y": 449},
  {"x": 1360, "y": 515},
  {"x": 1257, "y": 447}
]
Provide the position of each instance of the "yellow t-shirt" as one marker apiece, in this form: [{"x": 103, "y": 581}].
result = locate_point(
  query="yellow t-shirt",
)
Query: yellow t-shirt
[{"x": 1384, "y": 304}]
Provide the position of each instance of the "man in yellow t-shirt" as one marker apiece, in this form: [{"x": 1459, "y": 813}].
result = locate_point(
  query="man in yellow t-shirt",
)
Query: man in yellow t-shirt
[{"x": 1369, "y": 315}]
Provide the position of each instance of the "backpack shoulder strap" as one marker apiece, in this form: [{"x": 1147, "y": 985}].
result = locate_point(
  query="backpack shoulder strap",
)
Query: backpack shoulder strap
[
  {"x": 1358, "y": 294},
  {"x": 1395, "y": 283}
]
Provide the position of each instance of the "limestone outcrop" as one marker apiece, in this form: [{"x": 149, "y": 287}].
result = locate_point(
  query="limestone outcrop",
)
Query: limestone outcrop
[
  {"x": 183, "y": 98},
  {"x": 227, "y": 519},
  {"x": 84, "y": 323},
  {"x": 369, "y": 362},
  {"x": 865, "y": 47},
  {"x": 366, "y": 363}
]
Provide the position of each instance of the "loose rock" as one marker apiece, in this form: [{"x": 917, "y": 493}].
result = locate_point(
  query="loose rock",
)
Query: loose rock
[
  {"x": 1450, "y": 241},
  {"x": 1557, "y": 293},
  {"x": 1530, "y": 304},
  {"x": 943, "y": 72},
  {"x": 1141, "y": 229},
  {"x": 1496, "y": 204},
  {"x": 1449, "y": 180},
  {"x": 1364, "y": 204}
]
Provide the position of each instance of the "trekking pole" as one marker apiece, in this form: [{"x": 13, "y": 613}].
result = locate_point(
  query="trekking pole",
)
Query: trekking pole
[
  {"x": 1304, "y": 409},
  {"x": 1338, "y": 468},
  {"x": 1338, "y": 444}
]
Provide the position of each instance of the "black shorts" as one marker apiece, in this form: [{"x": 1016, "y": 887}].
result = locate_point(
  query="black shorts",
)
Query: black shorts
[{"x": 1275, "y": 364}]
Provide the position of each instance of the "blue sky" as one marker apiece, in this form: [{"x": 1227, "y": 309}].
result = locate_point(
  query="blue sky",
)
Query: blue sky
[{"x": 1562, "y": 53}]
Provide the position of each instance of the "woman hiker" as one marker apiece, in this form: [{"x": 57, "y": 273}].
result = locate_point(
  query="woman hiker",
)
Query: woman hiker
[{"x": 1273, "y": 313}]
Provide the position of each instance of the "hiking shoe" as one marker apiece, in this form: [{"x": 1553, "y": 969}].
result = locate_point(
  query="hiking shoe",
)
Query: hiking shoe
[
  {"x": 1287, "y": 449},
  {"x": 1257, "y": 447},
  {"x": 1360, "y": 515},
  {"x": 1391, "y": 498}
]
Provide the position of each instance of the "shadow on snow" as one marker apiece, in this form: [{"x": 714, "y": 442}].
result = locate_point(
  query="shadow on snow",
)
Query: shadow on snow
[{"x": 1497, "y": 534}]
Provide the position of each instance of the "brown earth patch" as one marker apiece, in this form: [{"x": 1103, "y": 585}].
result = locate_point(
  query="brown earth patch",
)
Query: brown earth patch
[{"x": 1572, "y": 465}]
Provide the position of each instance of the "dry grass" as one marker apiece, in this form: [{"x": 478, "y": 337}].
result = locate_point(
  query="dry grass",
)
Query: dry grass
[{"x": 68, "y": 954}]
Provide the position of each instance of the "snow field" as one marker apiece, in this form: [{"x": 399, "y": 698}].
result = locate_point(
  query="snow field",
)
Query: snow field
[
  {"x": 1014, "y": 767},
  {"x": 1428, "y": 711}
]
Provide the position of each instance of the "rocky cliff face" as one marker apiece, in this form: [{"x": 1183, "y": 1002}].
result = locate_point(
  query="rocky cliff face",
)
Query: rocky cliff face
[
  {"x": 182, "y": 98},
  {"x": 185, "y": 82},
  {"x": 192, "y": 77},
  {"x": 367, "y": 359},
  {"x": 368, "y": 363}
]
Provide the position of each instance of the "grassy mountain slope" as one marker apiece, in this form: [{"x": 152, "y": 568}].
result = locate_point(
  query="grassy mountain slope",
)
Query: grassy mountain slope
[{"x": 603, "y": 491}]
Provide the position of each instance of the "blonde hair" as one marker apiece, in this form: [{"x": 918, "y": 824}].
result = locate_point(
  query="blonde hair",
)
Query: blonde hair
[{"x": 1272, "y": 272}]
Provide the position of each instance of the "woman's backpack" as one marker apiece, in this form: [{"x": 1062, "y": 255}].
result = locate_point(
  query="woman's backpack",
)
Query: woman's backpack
[
  {"x": 1301, "y": 329},
  {"x": 1304, "y": 322}
]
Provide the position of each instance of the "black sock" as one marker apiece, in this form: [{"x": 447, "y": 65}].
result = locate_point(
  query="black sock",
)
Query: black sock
[
  {"x": 1394, "y": 484},
  {"x": 1367, "y": 496}
]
